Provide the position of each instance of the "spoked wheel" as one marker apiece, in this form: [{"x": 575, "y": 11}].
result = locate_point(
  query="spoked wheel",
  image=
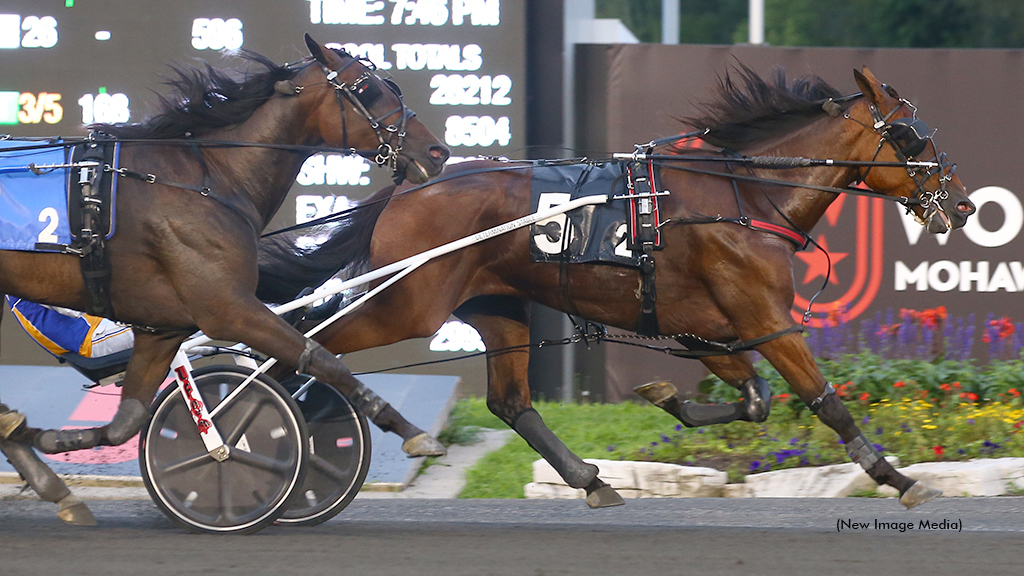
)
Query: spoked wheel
[
  {"x": 339, "y": 446},
  {"x": 269, "y": 447}
]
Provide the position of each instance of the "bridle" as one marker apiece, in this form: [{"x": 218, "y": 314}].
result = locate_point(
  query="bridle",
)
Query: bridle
[
  {"x": 362, "y": 93},
  {"x": 909, "y": 136}
]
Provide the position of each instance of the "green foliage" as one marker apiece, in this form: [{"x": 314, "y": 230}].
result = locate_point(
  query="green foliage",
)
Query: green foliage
[
  {"x": 867, "y": 23},
  {"x": 917, "y": 410},
  {"x": 591, "y": 431}
]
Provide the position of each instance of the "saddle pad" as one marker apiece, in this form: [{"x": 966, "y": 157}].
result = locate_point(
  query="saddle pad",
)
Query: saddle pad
[
  {"x": 34, "y": 206},
  {"x": 597, "y": 233}
]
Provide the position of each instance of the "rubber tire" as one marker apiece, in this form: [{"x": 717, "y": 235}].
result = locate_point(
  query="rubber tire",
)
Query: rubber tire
[
  {"x": 339, "y": 436},
  {"x": 285, "y": 433}
]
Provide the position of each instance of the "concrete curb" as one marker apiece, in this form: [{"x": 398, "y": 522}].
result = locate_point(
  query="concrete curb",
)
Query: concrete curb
[{"x": 983, "y": 477}]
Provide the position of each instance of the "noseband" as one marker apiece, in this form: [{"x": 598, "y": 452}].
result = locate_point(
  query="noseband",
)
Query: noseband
[
  {"x": 361, "y": 93},
  {"x": 909, "y": 137}
]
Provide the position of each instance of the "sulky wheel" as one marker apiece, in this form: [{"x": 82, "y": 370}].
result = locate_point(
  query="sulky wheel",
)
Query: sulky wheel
[
  {"x": 339, "y": 446},
  {"x": 269, "y": 452}
]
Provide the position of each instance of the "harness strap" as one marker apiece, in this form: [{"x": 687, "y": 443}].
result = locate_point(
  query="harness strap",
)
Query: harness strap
[
  {"x": 722, "y": 349},
  {"x": 91, "y": 239},
  {"x": 645, "y": 236},
  {"x": 245, "y": 210}
]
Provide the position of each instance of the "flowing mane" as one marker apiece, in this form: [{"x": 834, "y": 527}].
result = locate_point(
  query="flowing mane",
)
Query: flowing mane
[
  {"x": 204, "y": 99},
  {"x": 753, "y": 109}
]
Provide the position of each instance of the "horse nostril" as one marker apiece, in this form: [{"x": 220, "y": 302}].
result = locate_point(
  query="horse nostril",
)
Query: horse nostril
[
  {"x": 966, "y": 208},
  {"x": 439, "y": 153}
]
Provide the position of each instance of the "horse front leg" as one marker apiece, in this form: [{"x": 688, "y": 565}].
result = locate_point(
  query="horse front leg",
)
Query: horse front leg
[
  {"x": 504, "y": 327},
  {"x": 366, "y": 331},
  {"x": 249, "y": 321},
  {"x": 147, "y": 369},
  {"x": 794, "y": 361},
  {"x": 738, "y": 372}
]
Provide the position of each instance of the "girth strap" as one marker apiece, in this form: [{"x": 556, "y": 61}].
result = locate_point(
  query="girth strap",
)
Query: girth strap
[{"x": 644, "y": 237}]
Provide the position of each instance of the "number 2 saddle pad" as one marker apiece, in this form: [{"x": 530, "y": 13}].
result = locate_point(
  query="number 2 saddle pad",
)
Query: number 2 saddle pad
[
  {"x": 597, "y": 233},
  {"x": 35, "y": 180}
]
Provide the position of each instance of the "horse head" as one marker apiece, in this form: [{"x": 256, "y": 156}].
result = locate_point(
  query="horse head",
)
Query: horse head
[
  {"x": 935, "y": 193},
  {"x": 372, "y": 112}
]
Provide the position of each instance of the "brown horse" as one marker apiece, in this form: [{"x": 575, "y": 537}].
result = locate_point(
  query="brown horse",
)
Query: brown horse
[
  {"x": 720, "y": 280},
  {"x": 209, "y": 172}
]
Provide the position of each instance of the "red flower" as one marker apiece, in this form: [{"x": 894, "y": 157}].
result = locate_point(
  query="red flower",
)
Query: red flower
[
  {"x": 899, "y": 384},
  {"x": 1014, "y": 391},
  {"x": 864, "y": 396},
  {"x": 1018, "y": 424},
  {"x": 938, "y": 450},
  {"x": 969, "y": 396},
  {"x": 946, "y": 387}
]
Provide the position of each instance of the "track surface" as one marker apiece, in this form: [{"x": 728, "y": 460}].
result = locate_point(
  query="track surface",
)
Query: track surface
[{"x": 512, "y": 537}]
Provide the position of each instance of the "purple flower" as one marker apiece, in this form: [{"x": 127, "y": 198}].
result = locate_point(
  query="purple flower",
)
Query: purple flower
[
  {"x": 878, "y": 431},
  {"x": 755, "y": 465},
  {"x": 865, "y": 420},
  {"x": 611, "y": 447},
  {"x": 679, "y": 427},
  {"x": 793, "y": 441},
  {"x": 700, "y": 430},
  {"x": 970, "y": 421},
  {"x": 665, "y": 439},
  {"x": 879, "y": 447}
]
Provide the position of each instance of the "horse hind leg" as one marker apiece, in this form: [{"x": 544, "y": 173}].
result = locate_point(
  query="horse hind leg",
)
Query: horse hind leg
[
  {"x": 503, "y": 325},
  {"x": 736, "y": 371}
]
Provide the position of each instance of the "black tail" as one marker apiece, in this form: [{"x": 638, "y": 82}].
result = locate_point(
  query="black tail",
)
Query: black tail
[{"x": 308, "y": 257}]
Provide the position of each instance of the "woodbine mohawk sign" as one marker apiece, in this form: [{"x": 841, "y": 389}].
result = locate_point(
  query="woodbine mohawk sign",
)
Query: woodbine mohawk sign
[{"x": 880, "y": 257}]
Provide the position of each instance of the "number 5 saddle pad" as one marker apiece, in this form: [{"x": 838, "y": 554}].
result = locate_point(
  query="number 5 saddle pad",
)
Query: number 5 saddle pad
[
  {"x": 34, "y": 181},
  {"x": 597, "y": 233}
]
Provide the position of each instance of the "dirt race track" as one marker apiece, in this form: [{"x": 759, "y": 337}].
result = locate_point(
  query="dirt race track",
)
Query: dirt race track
[{"x": 520, "y": 537}]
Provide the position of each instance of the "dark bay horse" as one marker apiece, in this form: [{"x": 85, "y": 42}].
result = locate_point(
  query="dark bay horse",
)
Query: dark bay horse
[
  {"x": 722, "y": 282},
  {"x": 213, "y": 167}
]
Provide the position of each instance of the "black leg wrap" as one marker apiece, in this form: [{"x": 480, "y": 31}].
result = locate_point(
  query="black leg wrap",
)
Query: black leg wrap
[
  {"x": 861, "y": 451},
  {"x": 325, "y": 367},
  {"x": 130, "y": 417},
  {"x": 692, "y": 414},
  {"x": 757, "y": 399},
  {"x": 57, "y": 441},
  {"x": 569, "y": 466},
  {"x": 46, "y": 484},
  {"x": 367, "y": 402}
]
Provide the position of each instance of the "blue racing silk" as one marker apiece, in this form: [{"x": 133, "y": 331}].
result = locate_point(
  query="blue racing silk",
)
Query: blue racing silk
[{"x": 62, "y": 331}]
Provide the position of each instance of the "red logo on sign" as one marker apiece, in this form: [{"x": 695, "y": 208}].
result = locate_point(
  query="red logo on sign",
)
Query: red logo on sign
[
  {"x": 194, "y": 406},
  {"x": 854, "y": 241}
]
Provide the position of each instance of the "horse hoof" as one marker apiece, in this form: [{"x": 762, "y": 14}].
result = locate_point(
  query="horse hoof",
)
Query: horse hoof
[
  {"x": 918, "y": 494},
  {"x": 10, "y": 422},
  {"x": 603, "y": 496},
  {"x": 656, "y": 393},
  {"x": 73, "y": 511},
  {"x": 423, "y": 444}
]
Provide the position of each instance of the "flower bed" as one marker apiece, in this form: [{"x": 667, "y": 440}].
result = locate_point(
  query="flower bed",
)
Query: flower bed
[{"x": 907, "y": 384}]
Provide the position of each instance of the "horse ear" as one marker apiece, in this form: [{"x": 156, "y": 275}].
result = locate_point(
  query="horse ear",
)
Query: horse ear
[
  {"x": 315, "y": 49},
  {"x": 869, "y": 85}
]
